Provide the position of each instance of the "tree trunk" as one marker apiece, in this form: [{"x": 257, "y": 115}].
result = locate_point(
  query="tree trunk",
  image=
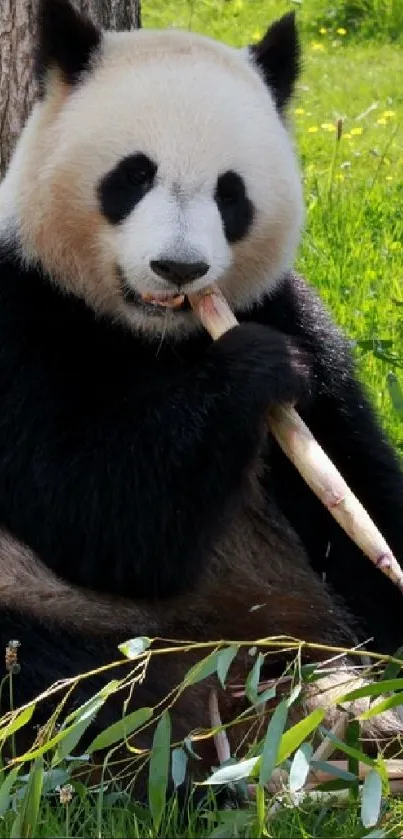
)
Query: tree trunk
[{"x": 17, "y": 34}]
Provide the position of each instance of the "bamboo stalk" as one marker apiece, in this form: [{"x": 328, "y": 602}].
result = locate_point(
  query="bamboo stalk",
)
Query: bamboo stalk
[{"x": 299, "y": 445}]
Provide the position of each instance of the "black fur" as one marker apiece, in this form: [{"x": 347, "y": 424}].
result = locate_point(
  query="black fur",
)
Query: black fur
[
  {"x": 121, "y": 460},
  {"x": 278, "y": 56},
  {"x": 66, "y": 39},
  {"x": 125, "y": 185},
  {"x": 235, "y": 207},
  {"x": 90, "y": 412}
]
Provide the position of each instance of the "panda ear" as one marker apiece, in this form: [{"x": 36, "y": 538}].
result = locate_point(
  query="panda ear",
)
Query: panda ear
[
  {"x": 66, "y": 40},
  {"x": 278, "y": 57}
]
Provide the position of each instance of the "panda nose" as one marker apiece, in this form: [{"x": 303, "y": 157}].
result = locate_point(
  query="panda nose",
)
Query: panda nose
[{"x": 179, "y": 273}]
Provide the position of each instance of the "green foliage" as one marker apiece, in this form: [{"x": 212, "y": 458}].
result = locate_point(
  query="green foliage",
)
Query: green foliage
[
  {"x": 378, "y": 19},
  {"x": 27, "y": 802}
]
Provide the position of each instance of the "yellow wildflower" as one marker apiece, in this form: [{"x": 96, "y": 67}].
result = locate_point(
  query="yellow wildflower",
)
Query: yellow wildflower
[
  {"x": 299, "y": 111},
  {"x": 328, "y": 126},
  {"x": 256, "y": 36},
  {"x": 339, "y": 177},
  {"x": 382, "y": 121},
  {"x": 389, "y": 178},
  {"x": 317, "y": 46},
  {"x": 313, "y": 129},
  {"x": 347, "y": 136},
  {"x": 323, "y": 30},
  {"x": 389, "y": 114},
  {"x": 356, "y": 132},
  {"x": 341, "y": 31}
]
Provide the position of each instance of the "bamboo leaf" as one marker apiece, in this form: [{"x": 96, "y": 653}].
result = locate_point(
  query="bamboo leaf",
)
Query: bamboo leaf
[
  {"x": 385, "y": 705},
  {"x": 300, "y": 767},
  {"x": 373, "y": 689},
  {"x": 178, "y": 766},
  {"x": 359, "y": 755},
  {"x": 323, "y": 766},
  {"x": 371, "y": 799},
  {"x": 53, "y": 778},
  {"x": 353, "y": 741},
  {"x": 293, "y": 738},
  {"x": 204, "y": 668},
  {"x": 94, "y": 702},
  {"x": 17, "y": 722},
  {"x": 71, "y": 736},
  {"x": 252, "y": 682},
  {"x": 234, "y": 772},
  {"x": 188, "y": 746},
  {"x": 159, "y": 769},
  {"x": 5, "y": 789},
  {"x": 272, "y": 742},
  {"x": 135, "y": 647},
  {"x": 392, "y": 669},
  {"x": 121, "y": 730},
  {"x": 224, "y": 661}
]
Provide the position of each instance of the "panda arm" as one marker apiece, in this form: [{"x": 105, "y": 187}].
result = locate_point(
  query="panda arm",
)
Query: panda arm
[{"x": 341, "y": 417}]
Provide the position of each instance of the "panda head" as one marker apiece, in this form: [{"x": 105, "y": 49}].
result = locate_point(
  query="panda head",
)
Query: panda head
[{"x": 156, "y": 163}]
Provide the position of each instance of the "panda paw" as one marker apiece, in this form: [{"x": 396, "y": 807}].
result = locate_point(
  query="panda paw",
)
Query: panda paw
[{"x": 267, "y": 367}]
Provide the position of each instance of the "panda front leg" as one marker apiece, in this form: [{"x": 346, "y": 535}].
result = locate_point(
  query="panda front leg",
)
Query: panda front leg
[{"x": 341, "y": 417}]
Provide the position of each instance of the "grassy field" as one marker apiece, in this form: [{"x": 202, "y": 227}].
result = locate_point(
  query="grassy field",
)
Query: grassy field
[{"x": 352, "y": 251}]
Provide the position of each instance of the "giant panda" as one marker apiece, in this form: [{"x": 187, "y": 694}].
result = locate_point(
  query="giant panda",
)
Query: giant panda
[{"x": 140, "y": 492}]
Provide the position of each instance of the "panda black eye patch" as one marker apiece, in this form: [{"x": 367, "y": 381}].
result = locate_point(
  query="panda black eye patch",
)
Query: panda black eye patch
[
  {"x": 235, "y": 208},
  {"x": 125, "y": 185}
]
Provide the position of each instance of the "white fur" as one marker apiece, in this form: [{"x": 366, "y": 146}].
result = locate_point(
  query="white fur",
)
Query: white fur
[{"x": 198, "y": 108}]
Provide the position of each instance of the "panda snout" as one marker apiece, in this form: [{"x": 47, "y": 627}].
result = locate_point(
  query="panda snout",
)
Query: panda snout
[{"x": 179, "y": 273}]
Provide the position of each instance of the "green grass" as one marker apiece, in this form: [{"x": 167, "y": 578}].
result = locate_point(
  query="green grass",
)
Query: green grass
[
  {"x": 352, "y": 252},
  {"x": 125, "y": 821}
]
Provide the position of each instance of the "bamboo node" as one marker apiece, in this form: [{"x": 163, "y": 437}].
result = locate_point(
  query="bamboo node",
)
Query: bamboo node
[{"x": 384, "y": 561}]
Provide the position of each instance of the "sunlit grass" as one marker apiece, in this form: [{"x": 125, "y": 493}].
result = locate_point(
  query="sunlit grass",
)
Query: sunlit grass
[{"x": 352, "y": 248}]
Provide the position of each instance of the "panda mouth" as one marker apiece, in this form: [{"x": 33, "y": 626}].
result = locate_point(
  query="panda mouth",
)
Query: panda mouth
[
  {"x": 164, "y": 301},
  {"x": 156, "y": 303}
]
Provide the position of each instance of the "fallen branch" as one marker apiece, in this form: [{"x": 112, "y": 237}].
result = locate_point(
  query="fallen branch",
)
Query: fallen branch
[{"x": 306, "y": 454}]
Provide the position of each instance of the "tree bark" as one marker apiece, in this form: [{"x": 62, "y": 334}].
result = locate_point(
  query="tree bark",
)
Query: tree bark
[{"x": 17, "y": 35}]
